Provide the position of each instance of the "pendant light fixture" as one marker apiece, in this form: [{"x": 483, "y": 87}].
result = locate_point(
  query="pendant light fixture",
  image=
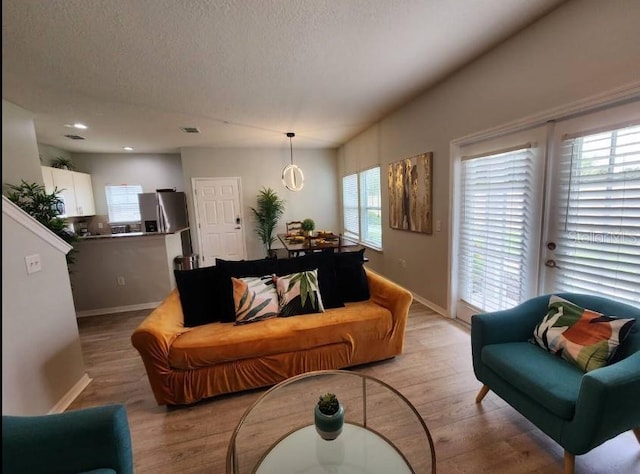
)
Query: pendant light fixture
[{"x": 292, "y": 176}]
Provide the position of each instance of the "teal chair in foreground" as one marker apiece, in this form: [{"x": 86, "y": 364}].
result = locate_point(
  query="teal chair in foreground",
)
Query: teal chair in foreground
[
  {"x": 92, "y": 440},
  {"x": 578, "y": 410}
]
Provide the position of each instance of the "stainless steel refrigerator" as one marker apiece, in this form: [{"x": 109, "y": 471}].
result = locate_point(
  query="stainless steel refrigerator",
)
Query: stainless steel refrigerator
[{"x": 166, "y": 212}]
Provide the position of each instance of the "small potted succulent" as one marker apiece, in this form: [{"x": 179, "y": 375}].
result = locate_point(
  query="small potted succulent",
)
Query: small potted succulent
[
  {"x": 308, "y": 225},
  {"x": 329, "y": 416}
]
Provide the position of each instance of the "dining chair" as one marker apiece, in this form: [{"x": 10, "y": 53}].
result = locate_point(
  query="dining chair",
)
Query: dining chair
[{"x": 294, "y": 226}]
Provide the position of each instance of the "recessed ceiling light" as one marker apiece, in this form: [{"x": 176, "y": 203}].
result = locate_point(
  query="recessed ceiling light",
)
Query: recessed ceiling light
[
  {"x": 77, "y": 125},
  {"x": 128, "y": 148}
]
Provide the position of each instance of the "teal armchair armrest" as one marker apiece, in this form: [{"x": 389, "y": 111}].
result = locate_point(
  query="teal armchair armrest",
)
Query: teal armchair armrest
[
  {"x": 607, "y": 405},
  {"x": 92, "y": 439}
]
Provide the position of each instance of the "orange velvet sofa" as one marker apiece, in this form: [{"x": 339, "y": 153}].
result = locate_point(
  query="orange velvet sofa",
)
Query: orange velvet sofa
[{"x": 188, "y": 364}]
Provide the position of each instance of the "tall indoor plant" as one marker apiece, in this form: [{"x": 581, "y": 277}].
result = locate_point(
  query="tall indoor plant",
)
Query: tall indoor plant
[
  {"x": 43, "y": 207},
  {"x": 268, "y": 212}
]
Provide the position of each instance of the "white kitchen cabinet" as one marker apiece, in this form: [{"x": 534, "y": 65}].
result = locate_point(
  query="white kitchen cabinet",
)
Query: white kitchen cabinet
[
  {"x": 74, "y": 188},
  {"x": 85, "y": 204}
]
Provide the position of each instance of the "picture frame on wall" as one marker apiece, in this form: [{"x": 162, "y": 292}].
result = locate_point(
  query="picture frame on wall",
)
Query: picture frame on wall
[{"x": 410, "y": 193}]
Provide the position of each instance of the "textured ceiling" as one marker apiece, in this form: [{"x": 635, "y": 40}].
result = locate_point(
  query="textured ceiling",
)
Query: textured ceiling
[{"x": 244, "y": 72}]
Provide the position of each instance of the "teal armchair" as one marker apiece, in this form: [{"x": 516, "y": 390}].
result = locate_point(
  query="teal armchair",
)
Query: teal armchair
[
  {"x": 92, "y": 440},
  {"x": 578, "y": 410}
]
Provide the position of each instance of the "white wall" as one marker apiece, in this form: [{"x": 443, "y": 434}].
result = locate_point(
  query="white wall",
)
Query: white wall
[
  {"x": 152, "y": 171},
  {"x": 42, "y": 361},
  {"x": 20, "y": 159},
  {"x": 258, "y": 167},
  {"x": 580, "y": 50}
]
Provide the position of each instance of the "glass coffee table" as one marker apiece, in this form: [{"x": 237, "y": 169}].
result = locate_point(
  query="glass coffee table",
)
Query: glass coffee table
[{"x": 382, "y": 433}]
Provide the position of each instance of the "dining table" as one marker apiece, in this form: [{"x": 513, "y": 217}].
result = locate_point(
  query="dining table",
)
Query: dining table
[{"x": 296, "y": 244}]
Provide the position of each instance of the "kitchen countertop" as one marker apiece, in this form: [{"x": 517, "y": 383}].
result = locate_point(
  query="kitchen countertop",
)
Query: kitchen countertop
[{"x": 128, "y": 234}]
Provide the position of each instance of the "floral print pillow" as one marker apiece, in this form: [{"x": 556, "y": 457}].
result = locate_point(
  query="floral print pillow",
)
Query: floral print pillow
[
  {"x": 299, "y": 293},
  {"x": 583, "y": 337},
  {"x": 255, "y": 298}
]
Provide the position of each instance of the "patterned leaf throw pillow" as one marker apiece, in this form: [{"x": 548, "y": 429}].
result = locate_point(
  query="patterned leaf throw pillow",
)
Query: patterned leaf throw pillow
[
  {"x": 583, "y": 337},
  {"x": 255, "y": 299},
  {"x": 299, "y": 293}
]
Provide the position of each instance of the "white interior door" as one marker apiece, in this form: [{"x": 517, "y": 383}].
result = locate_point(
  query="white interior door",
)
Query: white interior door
[{"x": 219, "y": 219}]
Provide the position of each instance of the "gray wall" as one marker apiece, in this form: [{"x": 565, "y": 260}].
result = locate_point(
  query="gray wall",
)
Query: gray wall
[
  {"x": 152, "y": 171},
  {"x": 580, "y": 50},
  {"x": 49, "y": 153},
  {"x": 41, "y": 353},
  {"x": 19, "y": 149},
  {"x": 258, "y": 167}
]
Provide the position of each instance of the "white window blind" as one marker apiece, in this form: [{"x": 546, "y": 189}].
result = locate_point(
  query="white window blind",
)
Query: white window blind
[
  {"x": 598, "y": 216},
  {"x": 495, "y": 229},
  {"x": 122, "y": 202},
  {"x": 350, "y": 206},
  {"x": 370, "y": 207}
]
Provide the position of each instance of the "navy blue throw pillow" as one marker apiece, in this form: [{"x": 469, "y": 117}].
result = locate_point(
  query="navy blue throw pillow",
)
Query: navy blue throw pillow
[
  {"x": 327, "y": 281},
  {"x": 351, "y": 276},
  {"x": 206, "y": 295},
  {"x": 247, "y": 268}
]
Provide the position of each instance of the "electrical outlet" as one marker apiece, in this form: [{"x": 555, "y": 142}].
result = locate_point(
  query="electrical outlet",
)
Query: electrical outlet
[
  {"x": 438, "y": 225},
  {"x": 33, "y": 263},
  {"x": 120, "y": 281},
  {"x": 402, "y": 262},
  {"x": 100, "y": 225}
]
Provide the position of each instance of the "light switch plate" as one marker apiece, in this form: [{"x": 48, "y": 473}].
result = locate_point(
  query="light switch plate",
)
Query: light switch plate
[{"x": 33, "y": 263}]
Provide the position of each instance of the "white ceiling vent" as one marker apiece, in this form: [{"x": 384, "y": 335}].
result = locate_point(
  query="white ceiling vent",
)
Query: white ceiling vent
[
  {"x": 75, "y": 137},
  {"x": 190, "y": 129}
]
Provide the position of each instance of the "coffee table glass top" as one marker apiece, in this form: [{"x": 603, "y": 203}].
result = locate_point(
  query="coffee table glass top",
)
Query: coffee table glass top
[{"x": 383, "y": 432}]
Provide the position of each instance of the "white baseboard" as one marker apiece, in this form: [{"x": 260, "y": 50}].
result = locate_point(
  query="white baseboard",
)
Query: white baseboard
[
  {"x": 71, "y": 395},
  {"x": 438, "y": 309},
  {"x": 117, "y": 309}
]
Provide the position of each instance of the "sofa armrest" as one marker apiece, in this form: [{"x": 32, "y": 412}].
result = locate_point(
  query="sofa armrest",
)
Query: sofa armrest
[
  {"x": 153, "y": 339},
  {"x": 607, "y": 405},
  {"x": 392, "y": 296},
  {"x": 509, "y": 325},
  {"x": 74, "y": 441}
]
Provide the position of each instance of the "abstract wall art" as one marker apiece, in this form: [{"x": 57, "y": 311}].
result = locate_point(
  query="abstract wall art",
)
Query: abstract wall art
[{"x": 410, "y": 182}]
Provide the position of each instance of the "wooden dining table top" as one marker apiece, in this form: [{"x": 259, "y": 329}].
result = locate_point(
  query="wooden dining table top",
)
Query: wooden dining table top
[{"x": 318, "y": 241}]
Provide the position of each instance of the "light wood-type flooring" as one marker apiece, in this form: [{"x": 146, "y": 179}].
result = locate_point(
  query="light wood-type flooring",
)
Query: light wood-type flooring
[{"x": 434, "y": 373}]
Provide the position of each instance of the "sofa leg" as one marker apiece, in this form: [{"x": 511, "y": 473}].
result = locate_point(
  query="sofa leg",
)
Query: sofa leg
[
  {"x": 636, "y": 431},
  {"x": 482, "y": 393},
  {"x": 569, "y": 462}
]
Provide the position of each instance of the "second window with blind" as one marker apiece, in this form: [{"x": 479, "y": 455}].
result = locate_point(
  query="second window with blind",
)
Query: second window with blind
[{"x": 584, "y": 236}]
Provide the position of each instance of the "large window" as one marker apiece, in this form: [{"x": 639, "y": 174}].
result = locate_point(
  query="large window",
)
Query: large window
[
  {"x": 597, "y": 220},
  {"x": 122, "y": 202},
  {"x": 562, "y": 216},
  {"x": 495, "y": 229},
  {"x": 362, "y": 208}
]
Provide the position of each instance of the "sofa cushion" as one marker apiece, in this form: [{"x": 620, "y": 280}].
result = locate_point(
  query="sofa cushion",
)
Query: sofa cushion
[
  {"x": 299, "y": 293},
  {"x": 255, "y": 298},
  {"x": 216, "y": 343},
  {"x": 585, "y": 338},
  {"x": 206, "y": 296},
  {"x": 538, "y": 374},
  {"x": 324, "y": 262},
  {"x": 351, "y": 277}
]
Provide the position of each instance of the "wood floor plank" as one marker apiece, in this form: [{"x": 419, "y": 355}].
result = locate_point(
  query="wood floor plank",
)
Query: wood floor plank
[{"x": 434, "y": 373}]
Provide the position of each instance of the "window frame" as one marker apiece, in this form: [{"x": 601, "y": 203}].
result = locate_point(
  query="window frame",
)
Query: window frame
[
  {"x": 114, "y": 209},
  {"x": 363, "y": 208}
]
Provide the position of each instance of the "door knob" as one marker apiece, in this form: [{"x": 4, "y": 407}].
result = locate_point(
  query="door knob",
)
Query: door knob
[
  {"x": 551, "y": 264},
  {"x": 551, "y": 245}
]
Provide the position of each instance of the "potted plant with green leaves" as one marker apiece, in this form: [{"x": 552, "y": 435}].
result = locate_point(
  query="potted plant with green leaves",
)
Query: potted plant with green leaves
[
  {"x": 43, "y": 207},
  {"x": 267, "y": 213},
  {"x": 308, "y": 225},
  {"x": 329, "y": 416}
]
